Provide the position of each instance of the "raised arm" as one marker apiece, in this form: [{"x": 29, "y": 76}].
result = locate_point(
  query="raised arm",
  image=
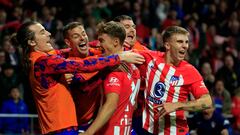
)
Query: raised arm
[{"x": 55, "y": 64}]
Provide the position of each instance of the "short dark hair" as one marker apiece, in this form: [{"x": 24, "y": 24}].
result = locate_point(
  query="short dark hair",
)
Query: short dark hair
[
  {"x": 121, "y": 18},
  {"x": 113, "y": 29},
  {"x": 70, "y": 26},
  {"x": 171, "y": 30}
]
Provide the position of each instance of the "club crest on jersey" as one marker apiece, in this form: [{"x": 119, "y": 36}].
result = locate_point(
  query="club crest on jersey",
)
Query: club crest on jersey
[
  {"x": 113, "y": 81},
  {"x": 174, "y": 80}
]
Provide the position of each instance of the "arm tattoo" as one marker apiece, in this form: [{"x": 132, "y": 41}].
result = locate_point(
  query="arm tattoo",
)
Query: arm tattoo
[{"x": 198, "y": 108}]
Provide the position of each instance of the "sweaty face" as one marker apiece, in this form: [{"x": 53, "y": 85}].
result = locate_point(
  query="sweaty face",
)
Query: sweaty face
[
  {"x": 176, "y": 48},
  {"x": 130, "y": 29},
  {"x": 107, "y": 43},
  {"x": 42, "y": 40},
  {"x": 78, "y": 40}
]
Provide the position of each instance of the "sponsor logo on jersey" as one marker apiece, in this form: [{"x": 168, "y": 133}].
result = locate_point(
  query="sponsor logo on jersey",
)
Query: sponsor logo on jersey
[
  {"x": 158, "y": 93},
  {"x": 113, "y": 81},
  {"x": 154, "y": 100},
  {"x": 159, "y": 89}
]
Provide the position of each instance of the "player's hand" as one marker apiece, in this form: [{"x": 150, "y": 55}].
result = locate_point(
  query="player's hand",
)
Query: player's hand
[
  {"x": 131, "y": 57},
  {"x": 68, "y": 78},
  {"x": 165, "y": 108}
]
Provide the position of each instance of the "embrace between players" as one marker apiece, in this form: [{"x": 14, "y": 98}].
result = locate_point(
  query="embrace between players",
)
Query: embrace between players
[{"x": 95, "y": 90}]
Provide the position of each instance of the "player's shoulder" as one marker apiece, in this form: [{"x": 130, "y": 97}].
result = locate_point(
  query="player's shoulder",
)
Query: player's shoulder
[
  {"x": 116, "y": 73},
  {"x": 114, "y": 78},
  {"x": 140, "y": 46},
  {"x": 189, "y": 71},
  {"x": 44, "y": 58},
  {"x": 188, "y": 68},
  {"x": 186, "y": 65},
  {"x": 135, "y": 72},
  {"x": 133, "y": 66}
]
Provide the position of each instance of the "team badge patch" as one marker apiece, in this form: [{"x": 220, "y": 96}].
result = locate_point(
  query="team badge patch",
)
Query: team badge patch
[{"x": 174, "y": 80}]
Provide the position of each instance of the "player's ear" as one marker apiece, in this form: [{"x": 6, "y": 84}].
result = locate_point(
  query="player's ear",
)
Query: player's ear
[
  {"x": 32, "y": 42},
  {"x": 116, "y": 42},
  {"x": 167, "y": 45},
  {"x": 67, "y": 42}
]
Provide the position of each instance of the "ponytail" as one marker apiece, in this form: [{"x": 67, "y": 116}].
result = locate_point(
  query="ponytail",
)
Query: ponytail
[{"x": 20, "y": 39}]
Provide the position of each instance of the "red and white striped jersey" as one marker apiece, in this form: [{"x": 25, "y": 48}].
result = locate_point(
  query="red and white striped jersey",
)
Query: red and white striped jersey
[
  {"x": 126, "y": 85},
  {"x": 167, "y": 83}
]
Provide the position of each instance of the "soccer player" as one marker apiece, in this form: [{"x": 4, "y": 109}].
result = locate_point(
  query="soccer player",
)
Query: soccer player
[
  {"x": 131, "y": 41},
  {"x": 54, "y": 103},
  {"x": 169, "y": 81},
  {"x": 120, "y": 87},
  {"x": 87, "y": 102}
]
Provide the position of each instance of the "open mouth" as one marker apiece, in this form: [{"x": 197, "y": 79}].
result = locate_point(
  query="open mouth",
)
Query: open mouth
[
  {"x": 82, "y": 45},
  {"x": 182, "y": 52},
  {"x": 130, "y": 36},
  {"x": 50, "y": 41}
]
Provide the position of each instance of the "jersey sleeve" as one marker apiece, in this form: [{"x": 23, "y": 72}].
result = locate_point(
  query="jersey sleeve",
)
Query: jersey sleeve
[
  {"x": 83, "y": 76},
  {"x": 149, "y": 56},
  {"x": 63, "y": 52},
  {"x": 194, "y": 79},
  {"x": 113, "y": 83},
  {"x": 143, "y": 67},
  {"x": 198, "y": 89},
  {"x": 139, "y": 46},
  {"x": 55, "y": 64}
]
